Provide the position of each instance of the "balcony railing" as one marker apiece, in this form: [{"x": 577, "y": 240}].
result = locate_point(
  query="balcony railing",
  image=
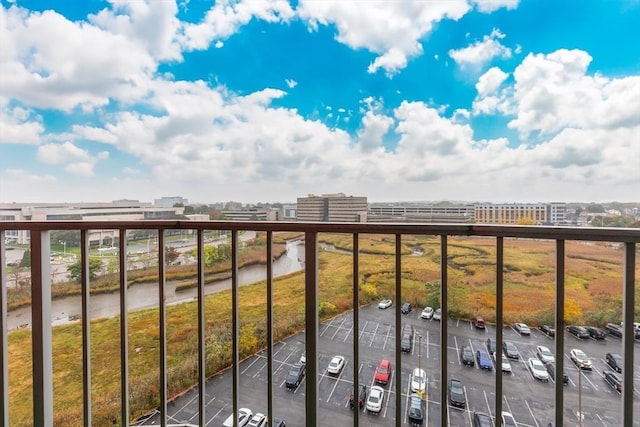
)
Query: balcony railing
[{"x": 42, "y": 369}]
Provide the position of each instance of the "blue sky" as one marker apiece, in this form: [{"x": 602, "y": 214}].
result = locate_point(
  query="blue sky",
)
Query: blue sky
[{"x": 267, "y": 101}]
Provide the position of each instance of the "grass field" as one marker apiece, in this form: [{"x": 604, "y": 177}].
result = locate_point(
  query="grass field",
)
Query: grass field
[{"x": 593, "y": 296}]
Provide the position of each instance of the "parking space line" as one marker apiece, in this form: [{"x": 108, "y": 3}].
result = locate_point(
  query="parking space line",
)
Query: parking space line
[
  {"x": 338, "y": 327},
  {"x": 467, "y": 410},
  {"x": 386, "y": 338},
  {"x": 250, "y": 365},
  {"x": 217, "y": 413},
  {"x": 386, "y": 406},
  {"x": 337, "y": 381},
  {"x": 374, "y": 334},
  {"x": 455, "y": 340},
  {"x": 427, "y": 344},
  {"x": 362, "y": 331},
  {"x": 406, "y": 406},
  {"x": 348, "y": 334},
  {"x": 531, "y": 412},
  {"x": 486, "y": 399},
  {"x": 327, "y": 325}
]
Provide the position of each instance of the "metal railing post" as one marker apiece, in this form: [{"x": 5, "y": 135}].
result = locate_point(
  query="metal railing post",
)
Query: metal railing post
[
  {"x": 42, "y": 349},
  {"x": 124, "y": 330},
  {"x": 356, "y": 329},
  {"x": 628, "y": 333},
  {"x": 235, "y": 326},
  {"x": 162, "y": 320},
  {"x": 4, "y": 352},
  {"x": 398, "y": 314},
  {"x": 311, "y": 325},
  {"x": 559, "y": 325},
  {"x": 499, "y": 324},
  {"x": 270, "y": 327},
  {"x": 86, "y": 329},
  {"x": 202, "y": 356},
  {"x": 444, "y": 318}
]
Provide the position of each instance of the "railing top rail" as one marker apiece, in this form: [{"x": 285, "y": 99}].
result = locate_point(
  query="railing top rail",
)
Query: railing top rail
[{"x": 628, "y": 235}]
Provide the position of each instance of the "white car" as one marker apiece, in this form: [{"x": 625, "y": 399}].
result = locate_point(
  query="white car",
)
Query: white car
[
  {"x": 303, "y": 359},
  {"x": 545, "y": 355},
  {"x": 336, "y": 364},
  {"x": 258, "y": 420},
  {"x": 244, "y": 415},
  {"x": 427, "y": 313},
  {"x": 385, "y": 303},
  {"x": 506, "y": 366},
  {"x": 522, "y": 328},
  {"x": 538, "y": 370},
  {"x": 418, "y": 380},
  {"x": 437, "y": 314},
  {"x": 580, "y": 359},
  {"x": 508, "y": 420},
  {"x": 375, "y": 399}
]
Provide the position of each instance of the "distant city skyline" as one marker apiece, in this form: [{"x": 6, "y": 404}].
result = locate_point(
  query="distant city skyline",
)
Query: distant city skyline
[{"x": 500, "y": 101}]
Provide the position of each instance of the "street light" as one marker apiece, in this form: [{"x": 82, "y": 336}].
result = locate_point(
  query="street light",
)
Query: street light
[{"x": 64, "y": 247}]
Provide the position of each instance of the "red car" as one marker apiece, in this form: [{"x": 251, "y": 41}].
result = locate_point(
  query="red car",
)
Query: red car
[
  {"x": 383, "y": 372},
  {"x": 478, "y": 322}
]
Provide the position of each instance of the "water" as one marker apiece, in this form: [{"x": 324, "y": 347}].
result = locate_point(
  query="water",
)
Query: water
[{"x": 145, "y": 295}]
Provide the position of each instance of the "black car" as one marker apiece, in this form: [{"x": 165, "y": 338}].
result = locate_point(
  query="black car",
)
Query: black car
[
  {"x": 294, "y": 376},
  {"x": 548, "y": 330},
  {"x": 551, "y": 369},
  {"x": 613, "y": 329},
  {"x": 456, "y": 393},
  {"x": 614, "y": 360},
  {"x": 406, "y": 308},
  {"x": 480, "y": 419},
  {"x": 578, "y": 331},
  {"x": 407, "y": 338},
  {"x": 491, "y": 345},
  {"x": 466, "y": 356},
  {"x": 510, "y": 350},
  {"x": 595, "y": 333},
  {"x": 277, "y": 422},
  {"x": 416, "y": 410},
  {"x": 613, "y": 379}
]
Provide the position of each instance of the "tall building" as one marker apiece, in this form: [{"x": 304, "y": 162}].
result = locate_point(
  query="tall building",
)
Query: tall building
[
  {"x": 332, "y": 208},
  {"x": 169, "y": 202}
]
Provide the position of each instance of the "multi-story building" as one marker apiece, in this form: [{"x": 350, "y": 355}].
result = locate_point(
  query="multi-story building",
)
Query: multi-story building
[
  {"x": 332, "y": 208},
  {"x": 518, "y": 213},
  {"x": 252, "y": 214},
  {"x": 169, "y": 202},
  {"x": 419, "y": 212}
]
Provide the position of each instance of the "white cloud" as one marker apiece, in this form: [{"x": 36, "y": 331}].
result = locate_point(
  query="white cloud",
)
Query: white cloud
[
  {"x": 55, "y": 154},
  {"x": 359, "y": 26},
  {"x": 219, "y": 44},
  {"x": 291, "y": 83},
  {"x": 488, "y": 6},
  {"x": 80, "y": 168},
  {"x": 19, "y": 125},
  {"x": 481, "y": 52},
  {"x": 374, "y": 127},
  {"x": 491, "y": 98},
  {"x": 490, "y": 81},
  {"x": 553, "y": 92}
]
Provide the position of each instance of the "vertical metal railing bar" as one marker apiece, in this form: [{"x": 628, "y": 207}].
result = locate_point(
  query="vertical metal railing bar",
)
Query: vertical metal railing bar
[
  {"x": 499, "y": 324},
  {"x": 444, "y": 318},
  {"x": 124, "y": 331},
  {"x": 628, "y": 333},
  {"x": 41, "y": 333},
  {"x": 398, "y": 305},
  {"x": 356, "y": 328},
  {"x": 559, "y": 336},
  {"x": 86, "y": 328},
  {"x": 202, "y": 355},
  {"x": 162, "y": 320},
  {"x": 311, "y": 325},
  {"x": 235, "y": 326},
  {"x": 4, "y": 346},
  {"x": 270, "y": 327}
]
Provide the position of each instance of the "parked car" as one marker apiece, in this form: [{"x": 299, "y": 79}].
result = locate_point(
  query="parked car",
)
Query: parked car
[
  {"x": 456, "y": 393},
  {"x": 418, "y": 380},
  {"x": 544, "y": 354},
  {"x": 491, "y": 345},
  {"x": 258, "y": 420},
  {"x": 578, "y": 331},
  {"x": 427, "y": 313},
  {"x": 522, "y": 329},
  {"x": 294, "y": 376},
  {"x": 437, "y": 314},
  {"x": 484, "y": 360},
  {"x": 303, "y": 359},
  {"x": 506, "y": 366},
  {"x": 375, "y": 399},
  {"x": 614, "y": 360},
  {"x": 466, "y": 356},
  {"x": 406, "y": 308},
  {"x": 385, "y": 303},
  {"x": 538, "y": 370},
  {"x": 613, "y": 379},
  {"x": 277, "y": 422},
  {"x": 510, "y": 350},
  {"x": 416, "y": 410},
  {"x": 548, "y": 330},
  {"x": 244, "y": 415},
  {"x": 613, "y": 329},
  {"x": 580, "y": 359},
  {"x": 336, "y": 365},
  {"x": 595, "y": 333},
  {"x": 551, "y": 369},
  {"x": 508, "y": 420},
  {"x": 478, "y": 322},
  {"x": 362, "y": 397},
  {"x": 480, "y": 419},
  {"x": 406, "y": 339},
  {"x": 383, "y": 372}
]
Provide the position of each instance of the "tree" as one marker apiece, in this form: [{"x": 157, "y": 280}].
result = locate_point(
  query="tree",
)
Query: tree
[
  {"x": 171, "y": 254},
  {"x": 75, "y": 269},
  {"x": 70, "y": 237},
  {"x": 26, "y": 259}
]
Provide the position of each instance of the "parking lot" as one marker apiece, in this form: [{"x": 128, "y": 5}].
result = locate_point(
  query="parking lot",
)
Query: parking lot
[{"x": 530, "y": 401}]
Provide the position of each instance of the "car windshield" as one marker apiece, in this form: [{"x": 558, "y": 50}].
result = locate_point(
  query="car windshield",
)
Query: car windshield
[
  {"x": 467, "y": 351},
  {"x": 293, "y": 372},
  {"x": 456, "y": 388},
  {"x": 373, "y": 398},
  {"x": 618, "y": 359},
  {"x": 545, "y": 352},
  {"x": 580, "y": 354},
  {"x": 510, "y": 346}
]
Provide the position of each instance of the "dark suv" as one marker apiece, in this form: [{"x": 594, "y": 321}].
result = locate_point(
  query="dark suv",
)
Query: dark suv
[
  {"x": 578, "y": 331},
  {"x": 480, "y": 419},
  {"x": 466, "y": 356},
  {"x": 595, "y": 333},
  {"x": 491, "y": 345},
  {"x": 406, "y": 308},
  {"x": 407, "y": 338}
]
